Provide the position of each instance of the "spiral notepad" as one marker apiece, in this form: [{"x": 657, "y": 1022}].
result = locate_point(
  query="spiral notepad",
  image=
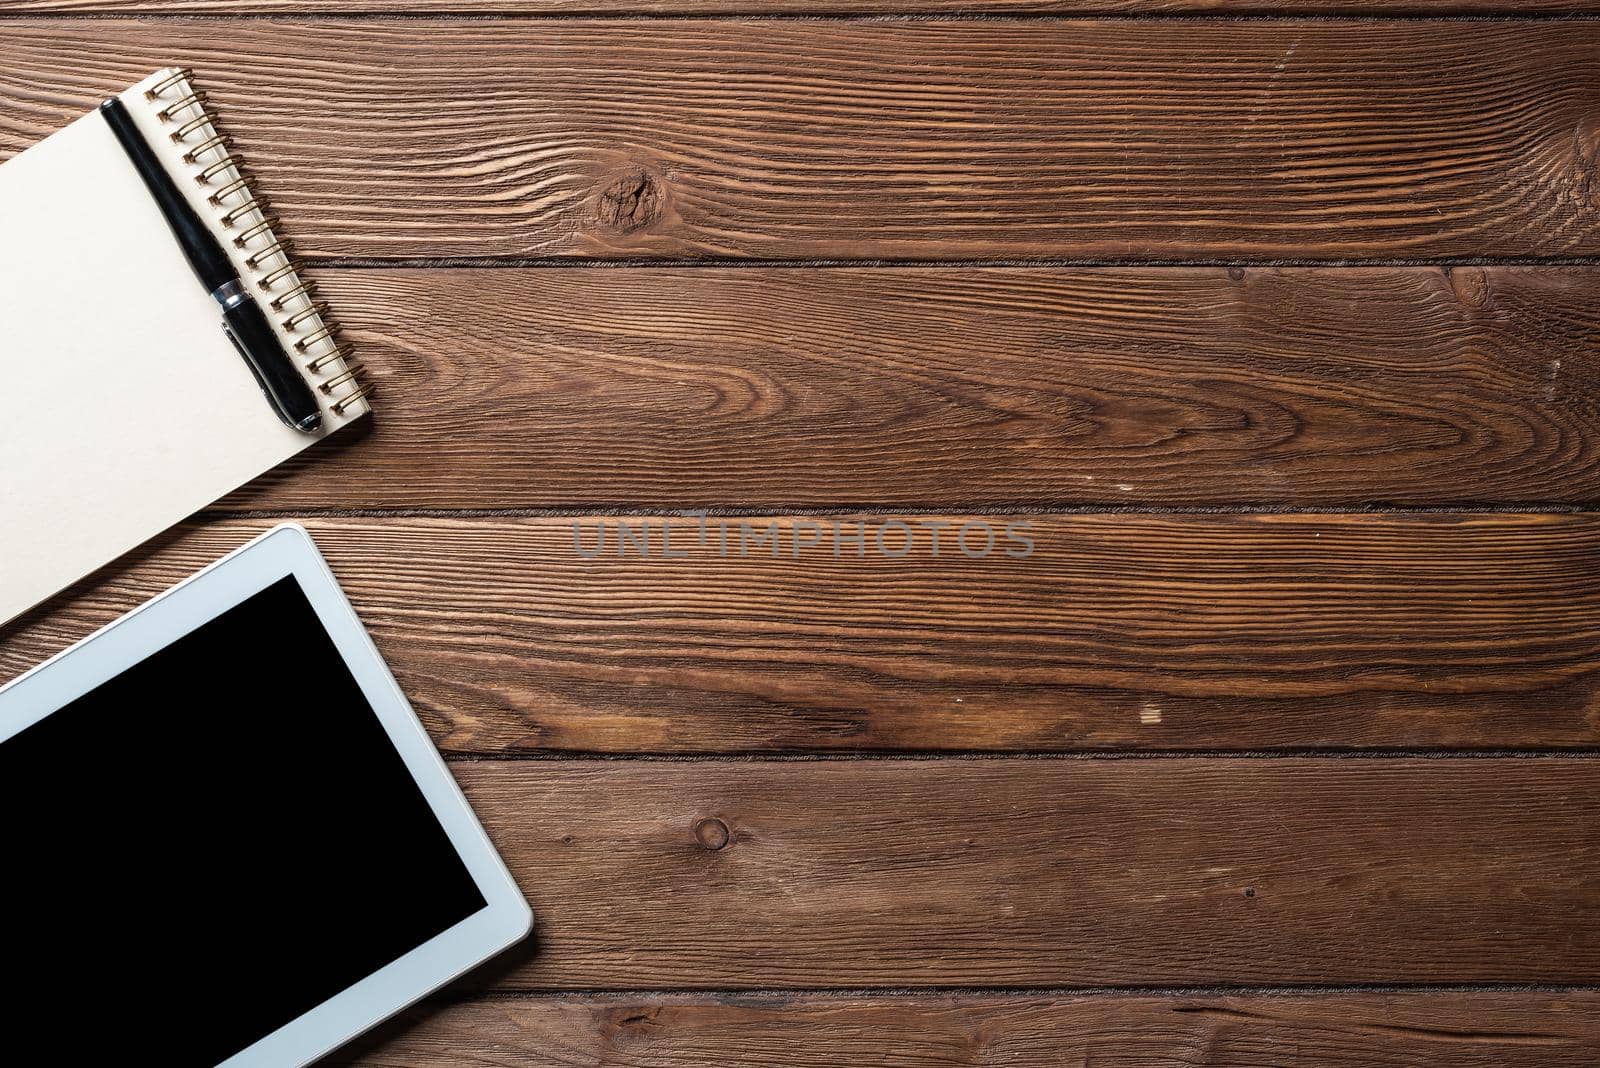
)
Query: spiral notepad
[{"x": 123, "y": 405}]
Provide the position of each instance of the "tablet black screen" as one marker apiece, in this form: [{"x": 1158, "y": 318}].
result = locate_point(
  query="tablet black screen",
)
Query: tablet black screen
[{"x": 207, "y": 846}]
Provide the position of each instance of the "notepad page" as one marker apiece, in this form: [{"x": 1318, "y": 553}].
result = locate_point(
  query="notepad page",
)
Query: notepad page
[{"x": 123, "y": 406}]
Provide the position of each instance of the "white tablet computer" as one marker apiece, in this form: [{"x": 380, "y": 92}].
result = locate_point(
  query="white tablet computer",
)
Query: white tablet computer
[{"x": 225, "y": 839}]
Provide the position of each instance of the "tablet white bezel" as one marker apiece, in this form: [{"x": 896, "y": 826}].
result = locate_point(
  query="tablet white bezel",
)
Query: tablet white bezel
[{"x": 288, "y": 550}]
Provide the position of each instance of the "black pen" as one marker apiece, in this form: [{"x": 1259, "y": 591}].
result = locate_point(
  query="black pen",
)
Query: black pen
[{"x": 242, "y": 318}]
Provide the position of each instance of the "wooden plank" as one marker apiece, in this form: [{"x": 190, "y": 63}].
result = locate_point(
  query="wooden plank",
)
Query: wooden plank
[
  {"x": 787, "y": 874},
  {"x": 1114, "y": 139},
  {"x": 1117, "y": 632},
  {"x": 789, "y": 388},
  {"x": 1368, "y": 8},
  {"x": 1411, "y": 1030}
]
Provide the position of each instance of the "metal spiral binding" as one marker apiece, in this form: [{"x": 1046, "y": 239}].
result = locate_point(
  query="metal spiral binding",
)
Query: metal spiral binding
[{"x": 301, "y": 314}]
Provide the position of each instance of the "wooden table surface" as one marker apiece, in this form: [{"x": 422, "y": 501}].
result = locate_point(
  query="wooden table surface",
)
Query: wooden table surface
[{"x": 1275, "y": 321}]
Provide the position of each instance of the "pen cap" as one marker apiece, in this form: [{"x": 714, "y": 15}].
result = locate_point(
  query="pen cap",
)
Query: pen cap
[{"x": 247, "y": 327}]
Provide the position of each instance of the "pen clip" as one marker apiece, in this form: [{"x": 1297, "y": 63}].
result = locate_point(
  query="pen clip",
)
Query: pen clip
[{"x": 261, "y": 382}]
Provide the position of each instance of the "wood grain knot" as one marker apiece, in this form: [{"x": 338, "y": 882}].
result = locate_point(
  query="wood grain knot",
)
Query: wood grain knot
[
  {"x": 711, "y": 833},
  {"x": 631, "y": 202},
  {"x": 633, "y": 1026},
  {"x": 637, "y": 1017},
  {"x": 1471, "y": 286}
]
